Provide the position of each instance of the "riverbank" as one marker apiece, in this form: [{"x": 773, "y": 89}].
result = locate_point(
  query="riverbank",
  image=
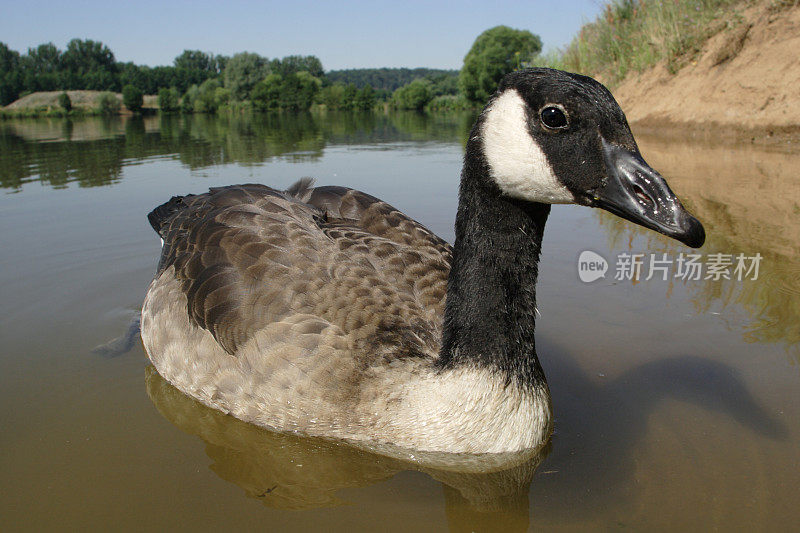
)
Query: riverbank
[
  {"x": 84, "y": 103},
  {"x": 724, "y": 70},
  {"x": 740, "y": 86}
]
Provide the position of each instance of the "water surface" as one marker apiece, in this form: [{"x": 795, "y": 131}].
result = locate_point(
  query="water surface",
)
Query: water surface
[{"x": 677, "y": 403}]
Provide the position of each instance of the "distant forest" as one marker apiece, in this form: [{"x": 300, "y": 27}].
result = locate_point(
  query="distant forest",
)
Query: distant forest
[
  {"x": 389, "y": 79},
  {"x": 200, "y": 82}
]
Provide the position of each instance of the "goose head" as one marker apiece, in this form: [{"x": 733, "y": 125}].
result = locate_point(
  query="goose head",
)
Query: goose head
[{"x": 554, "y": 137}]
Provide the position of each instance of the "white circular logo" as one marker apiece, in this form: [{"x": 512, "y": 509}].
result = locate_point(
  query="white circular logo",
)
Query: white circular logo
[{"x": 591, "y": 266}]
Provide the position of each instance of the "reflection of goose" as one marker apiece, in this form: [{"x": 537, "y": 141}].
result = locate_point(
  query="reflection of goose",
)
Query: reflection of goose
[
  {"x": 288, "y": 472},
  {"x": 590, "y": 470},
  {"x": 322, "y": 310}
]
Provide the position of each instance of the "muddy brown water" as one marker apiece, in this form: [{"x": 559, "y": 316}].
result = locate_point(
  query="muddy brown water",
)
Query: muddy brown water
[{"x": 677, "y": 401}]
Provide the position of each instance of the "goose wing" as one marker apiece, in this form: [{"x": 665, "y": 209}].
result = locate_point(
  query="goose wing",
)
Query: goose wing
[{"x": 248, "y": 256}]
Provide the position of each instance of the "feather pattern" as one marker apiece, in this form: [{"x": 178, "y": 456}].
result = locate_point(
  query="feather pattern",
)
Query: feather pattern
[{"x": 248, "y": 255}]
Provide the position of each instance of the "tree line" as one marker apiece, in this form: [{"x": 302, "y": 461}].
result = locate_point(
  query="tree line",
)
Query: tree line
[
  {"x": 205, "y": 83},
  {"x": 387, "y": 79}
]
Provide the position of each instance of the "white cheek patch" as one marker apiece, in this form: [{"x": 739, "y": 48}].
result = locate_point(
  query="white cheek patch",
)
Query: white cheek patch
[{"x": 516, "y": 162}]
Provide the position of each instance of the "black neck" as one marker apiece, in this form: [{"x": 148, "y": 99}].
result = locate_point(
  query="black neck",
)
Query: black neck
[{"x": 491, "y": 292}]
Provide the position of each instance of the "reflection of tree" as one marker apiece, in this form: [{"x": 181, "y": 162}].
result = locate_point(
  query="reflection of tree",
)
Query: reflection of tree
[
  {"x": 14, "y": 161},
  {"x": 366, "y": 127},
  {"x": 92, "y": 151},
  {"x": 90, "y": 163},
  {"x": 451, "y": 127},
  {"x": 207, "y": 140},
  {"x": 748, "y": 201}
]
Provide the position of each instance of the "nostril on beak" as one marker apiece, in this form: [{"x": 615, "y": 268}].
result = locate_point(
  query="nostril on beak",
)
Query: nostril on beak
[{"x": 643, "y": 197}]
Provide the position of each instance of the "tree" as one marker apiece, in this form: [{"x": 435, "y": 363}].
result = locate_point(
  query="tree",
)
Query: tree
[
  {"x": 196, "y": 60},
  {"x": 266, "y": 94},
  {"x": 295, "y": 91},
  {"x": 206, "y": 98},
  {"x": 168, "y": 99},
  {"x": 298, "y": 90},
  {"x": 389, "y": 79},
  {"x": 42, "y": 66},
  {"x": 108, "y": 103},
  {"x": 65, "y": 102},
  {"x": 293, "y": 64},
  {"x": 413, "y": 96},
  {"x": 187, "y": 102},
  {"x": 132, "y": 98},
  {"x": 45, "y": 58},
  {"x": 442, "y": 84},
  {"x": 220, "y": 63},
  {"x": 194, "y": 66},
  {"x": 141, "y": 77},
  {"x": 332, "y": 96},
  {"x": 243, "y": 71},
  {"x": 90, "y": 65},
  {"x": 163, "y": 77},
  {"x": 365, "y": 99},
  {"x": 222, "y": 96},
  {"x": 495, "y": 53},
  {"x": 349, "y": 96},
  {"x": 87, "y": 55},
  {"x": 10, "y": 75}
]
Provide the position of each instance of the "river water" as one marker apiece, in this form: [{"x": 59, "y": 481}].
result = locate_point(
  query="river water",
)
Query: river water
[{"x": 677, "y": 400}]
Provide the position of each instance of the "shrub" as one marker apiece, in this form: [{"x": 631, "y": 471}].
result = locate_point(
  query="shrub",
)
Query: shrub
[
  {"x": 298, "y": 90},
  {"x": 168, "y": 99},
  {"x": 205, "y": 99},
  {"x": 413, "y": 96},
  {"x": 108, "y": 103},
  {"x": 365, "y": 99},
  {"x": 65, "y": 102},
  {"x": 187, "y": 102},
  {"x": 332, "y": 96},
  {"x": 349, "y": 96},
  {"x": 222, "y": 97},
  {"x": 266, "y": 94},
  {"x": 132, "y": 98}
]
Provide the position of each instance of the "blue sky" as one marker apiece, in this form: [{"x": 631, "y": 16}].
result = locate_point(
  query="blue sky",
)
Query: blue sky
[{"x": 354, "y": 34}]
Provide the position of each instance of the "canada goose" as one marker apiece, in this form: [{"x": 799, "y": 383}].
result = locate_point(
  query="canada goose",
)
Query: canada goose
[{"x": 325, "y": 311}]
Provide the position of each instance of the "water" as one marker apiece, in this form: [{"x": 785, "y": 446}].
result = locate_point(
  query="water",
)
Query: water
[{"x": 677, "y": 403}]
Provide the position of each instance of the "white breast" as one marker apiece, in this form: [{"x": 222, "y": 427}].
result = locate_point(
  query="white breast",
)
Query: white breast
[{"x": 473, "y": 410}]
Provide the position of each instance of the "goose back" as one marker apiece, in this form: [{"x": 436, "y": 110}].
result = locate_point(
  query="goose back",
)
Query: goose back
[
  {"x": 313, "y": 299},
  {"x": 248, "y": 255}
]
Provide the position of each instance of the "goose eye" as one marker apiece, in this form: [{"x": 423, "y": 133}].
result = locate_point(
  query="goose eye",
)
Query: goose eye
[{"x": 553, "y": 117}]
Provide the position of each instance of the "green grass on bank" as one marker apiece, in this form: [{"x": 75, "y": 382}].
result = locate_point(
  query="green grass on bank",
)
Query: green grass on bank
[{"x": 632, "y": 35}]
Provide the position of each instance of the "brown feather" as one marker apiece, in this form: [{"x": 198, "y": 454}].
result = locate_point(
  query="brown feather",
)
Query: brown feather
[{"x": 249, "y": 255}]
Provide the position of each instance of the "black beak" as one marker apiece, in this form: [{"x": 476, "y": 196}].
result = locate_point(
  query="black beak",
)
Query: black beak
[{"x": 636, "y": 192}]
